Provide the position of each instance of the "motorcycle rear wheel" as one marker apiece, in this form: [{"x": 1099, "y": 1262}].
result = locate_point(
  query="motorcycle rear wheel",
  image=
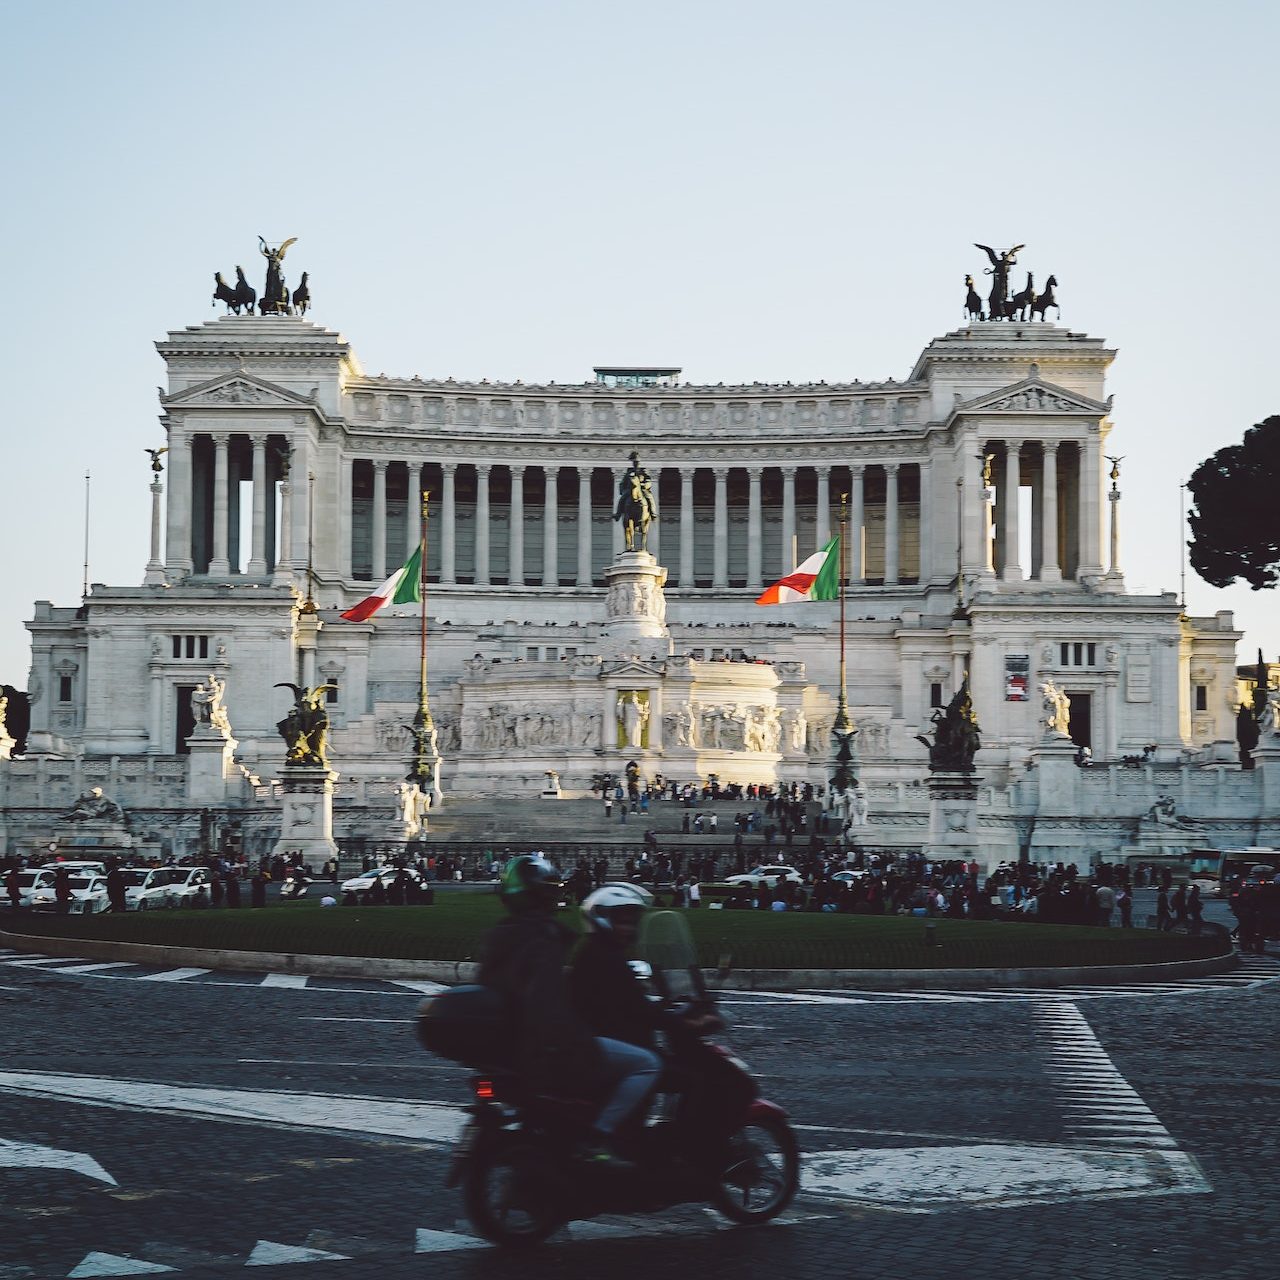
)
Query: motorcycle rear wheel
[
  {"x": 761, "y": 1173},
  {"x": 510, "y": 1194}
]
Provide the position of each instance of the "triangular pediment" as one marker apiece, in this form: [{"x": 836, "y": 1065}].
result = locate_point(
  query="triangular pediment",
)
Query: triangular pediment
[
  {"x": 237, "y": 389},
  {"x": 1032, "y": 395},
  {"x": 632, "y": 667}
]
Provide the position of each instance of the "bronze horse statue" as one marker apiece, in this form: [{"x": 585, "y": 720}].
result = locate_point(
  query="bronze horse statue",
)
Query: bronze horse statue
[
  {"x": 241, "y": 297},
  {"x": 1020, "y": 304},
  {"x": 302, "y": 296},
  {"x": 973, "y": 303},
  {"x": 1043, "y": 301}
]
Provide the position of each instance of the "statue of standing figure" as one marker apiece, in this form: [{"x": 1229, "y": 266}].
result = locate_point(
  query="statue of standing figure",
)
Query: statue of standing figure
[
  {"x": 956, "y": 736},
  {"x": 999, "y": 273},
  {"x": 1057, "y": 710},
  {"x": 635, "y": 716},
  {"x": 275, "y": 293},
  {"x": 206, "y": 704}
]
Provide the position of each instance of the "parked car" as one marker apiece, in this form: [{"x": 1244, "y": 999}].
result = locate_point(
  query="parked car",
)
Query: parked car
[
  {"x": 32, "y": 882},
  {"x": 364, "y": 881},
  {"x": 88, "y": 896},
  {"x": 772, "y": 876},
  {"x": 79, "y": 867},
  {"x": 185, "y": 883},
  {"x": 146, "y": 888}
]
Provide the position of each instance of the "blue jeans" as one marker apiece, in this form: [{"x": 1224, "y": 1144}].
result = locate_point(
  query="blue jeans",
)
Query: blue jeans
[{"x": 633, "y": 1072}]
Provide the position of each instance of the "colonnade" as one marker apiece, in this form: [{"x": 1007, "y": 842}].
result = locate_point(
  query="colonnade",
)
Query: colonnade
[{"x": 725, "y": 533}]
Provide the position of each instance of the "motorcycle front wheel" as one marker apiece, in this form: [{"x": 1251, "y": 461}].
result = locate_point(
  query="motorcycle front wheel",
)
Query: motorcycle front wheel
[
  {"x": 761, "y": 1171},
  {"x": 510, "y": 1193}
]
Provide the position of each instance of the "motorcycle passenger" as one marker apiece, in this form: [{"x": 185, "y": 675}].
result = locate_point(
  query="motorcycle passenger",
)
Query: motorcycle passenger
[{"x": 524, "y": 958}]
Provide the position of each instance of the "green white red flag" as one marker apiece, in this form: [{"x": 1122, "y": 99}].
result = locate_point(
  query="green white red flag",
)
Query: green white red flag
[
  {"x": 403, "y": 587},
  {"x": 817, "y": 578}
]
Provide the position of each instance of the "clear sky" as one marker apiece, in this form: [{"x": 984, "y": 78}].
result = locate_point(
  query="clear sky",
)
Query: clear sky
[{"x": 773, "y": 191}]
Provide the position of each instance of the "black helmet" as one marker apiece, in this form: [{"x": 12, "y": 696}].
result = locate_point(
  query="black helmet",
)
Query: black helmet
[{"x": 529, "y": 882}]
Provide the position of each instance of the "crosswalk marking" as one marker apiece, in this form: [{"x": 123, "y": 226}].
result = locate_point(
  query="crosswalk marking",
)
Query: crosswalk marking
[
  {"x": 98, "y": 967},
  {"x": 174, "y": 975},
  {"x": 284, "y": 980}
]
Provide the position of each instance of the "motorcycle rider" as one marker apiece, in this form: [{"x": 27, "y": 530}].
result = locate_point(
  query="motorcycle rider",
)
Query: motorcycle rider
[{"x": 524, "y": 959}]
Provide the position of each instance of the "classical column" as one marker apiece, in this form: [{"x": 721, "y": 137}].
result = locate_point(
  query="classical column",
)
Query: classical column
[
  {"x": 755, "y": 559},
  {"x": 619, "y": 535},
  {"x": 788, "y": 520},
  {"x": 550, "y": 571},
  {"x": 890, "y": 524},
  {"x": 155, "y": 733},
  {"x": 1050, "y": 570},
  {"x": 720, "y": 562},
  {"x": 379, "y": 519},
  {"x": 258, "y": 551},
  {"x": 926, "y": 521},
  {"x": 219, "y": 564},
  {"x": 655, "y": 528},
  {"x": 154, "y": 576},
  {"x": 987, "y": 498},
  {"x": 1010, "y": 510},
  {"x": 854, "y": 563},
  {"x": 686, "y": 526},
  {"x": 448, "y": 554},
  {"x": 515, "y": 533},
  {"x": 482, "y": 524},
  {"x": 1090, "y": 555},
  {"x": 284, "y": 552},
  {"x": 412, "y": 508},
  {"x": 822, "y": 514},
  {"x": 584, "y": 526},
  {"x": 346, "y": 515},
  {"x": 178, "y": 539}
]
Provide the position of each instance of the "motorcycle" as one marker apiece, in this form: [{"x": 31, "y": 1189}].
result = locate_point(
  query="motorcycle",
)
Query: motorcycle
[
  {"x": 709, "y": 1135},
  {"x": 295, "y": 883}
]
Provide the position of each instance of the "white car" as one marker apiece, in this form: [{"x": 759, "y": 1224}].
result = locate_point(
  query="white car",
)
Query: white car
[
  {"x": 146, "y": 888},
  {"x": 88, "y": 896},
  {"x": 364, "y": 881},
  {"x": 34, "y": 881},
  {"x": 185, "y": 883},
  {"x": 772, "y": 876},
  {"x": 81, "y": 868}
]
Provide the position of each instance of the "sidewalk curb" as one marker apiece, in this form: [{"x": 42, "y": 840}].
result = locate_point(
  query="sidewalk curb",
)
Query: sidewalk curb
[{"x": 451, "y": 971}]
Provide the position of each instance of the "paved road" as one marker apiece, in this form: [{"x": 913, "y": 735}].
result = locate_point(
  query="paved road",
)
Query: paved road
[{"x": 183, "y": 1122}]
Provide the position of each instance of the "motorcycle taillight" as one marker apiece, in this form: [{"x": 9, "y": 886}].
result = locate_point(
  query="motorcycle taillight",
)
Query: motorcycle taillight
[{"x": 484, "y": 1091}]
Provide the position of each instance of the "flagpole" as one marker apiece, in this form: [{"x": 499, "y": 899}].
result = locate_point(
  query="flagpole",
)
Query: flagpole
[
  {"x": 843, "y": 724},
  {"x": 422, "y": 720}
]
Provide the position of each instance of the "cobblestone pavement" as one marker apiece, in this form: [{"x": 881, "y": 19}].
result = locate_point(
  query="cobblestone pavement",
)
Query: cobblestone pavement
[{"x": 192, "y": 1126}]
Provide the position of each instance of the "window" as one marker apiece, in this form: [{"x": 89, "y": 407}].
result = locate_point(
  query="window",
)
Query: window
[
  {"x": 190, "y": 646},
  {"x": 531, "y": 653},
  {"x": 331, "y": 693},
  {"x": 1202, "y": 697},
  {"x": 1077, "y": 653},
  {"x": 935, "y": 694},
  {"x": 553, "y": 652},
  {"x": 64, "y": 688}
]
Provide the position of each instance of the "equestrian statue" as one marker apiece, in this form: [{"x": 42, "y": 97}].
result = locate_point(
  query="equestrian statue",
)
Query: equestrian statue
[{"x": 635, "y": 506}]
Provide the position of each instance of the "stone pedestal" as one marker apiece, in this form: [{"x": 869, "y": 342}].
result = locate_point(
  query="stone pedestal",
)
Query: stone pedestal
[
  {"x": 210, "y": 765},
  {"x": 551, "y": 791},
  {"x": 306, "y": 819},
  {"x": 636, "y": 608},
  {"x": 953, "y": 818}
]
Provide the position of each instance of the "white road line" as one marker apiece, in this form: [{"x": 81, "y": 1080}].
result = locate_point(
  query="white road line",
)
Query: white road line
[
  {"x": 422, "y": 988},
  {"x": 174, "y": 975},
  {"x": 427, "y": 1122},
  {"x": 331, "y": 1018},
  {"x": 94, "y": 968},
  {"x": 32, "y": 961},
  {"x": 294, "y": 980}
]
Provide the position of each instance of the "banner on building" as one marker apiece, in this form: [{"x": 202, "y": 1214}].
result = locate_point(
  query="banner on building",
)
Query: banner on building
[{"x": 1017, "y": 676}]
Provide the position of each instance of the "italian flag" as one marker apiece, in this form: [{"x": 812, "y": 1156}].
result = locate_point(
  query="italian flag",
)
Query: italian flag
[
  {"x": 403, "y": 587},
  {"x": 818, "y": 578}
]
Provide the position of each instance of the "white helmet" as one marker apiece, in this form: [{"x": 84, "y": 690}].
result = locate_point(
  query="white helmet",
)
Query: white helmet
[{"x": 599, "y": 905}]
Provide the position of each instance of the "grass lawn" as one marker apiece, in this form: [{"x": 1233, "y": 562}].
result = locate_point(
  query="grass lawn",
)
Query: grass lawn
[{"x": 452, "y": 928}]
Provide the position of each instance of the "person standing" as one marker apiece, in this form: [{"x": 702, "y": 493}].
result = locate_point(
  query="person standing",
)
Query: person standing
[
  {"x": 1106, "y": 904},
  {"x": 13, "y": 887},
  {"x": 1195, "y": 910},
  {"x": 62, "y": 890},
  {"x": 1124, "y": 900},
  {"x": 1164, "y": 921},
  {"x": 1178, "y": 905},
  {"x": 116, "y": 894}
]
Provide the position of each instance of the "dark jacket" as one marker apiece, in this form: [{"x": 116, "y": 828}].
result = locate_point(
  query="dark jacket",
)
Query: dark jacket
[
  {"x": 608, "y": 996},
  {"x": 524, "y": 959}
]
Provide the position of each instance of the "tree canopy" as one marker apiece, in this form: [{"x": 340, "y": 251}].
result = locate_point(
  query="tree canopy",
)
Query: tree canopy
[{"x": 1235, "y": 524}]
